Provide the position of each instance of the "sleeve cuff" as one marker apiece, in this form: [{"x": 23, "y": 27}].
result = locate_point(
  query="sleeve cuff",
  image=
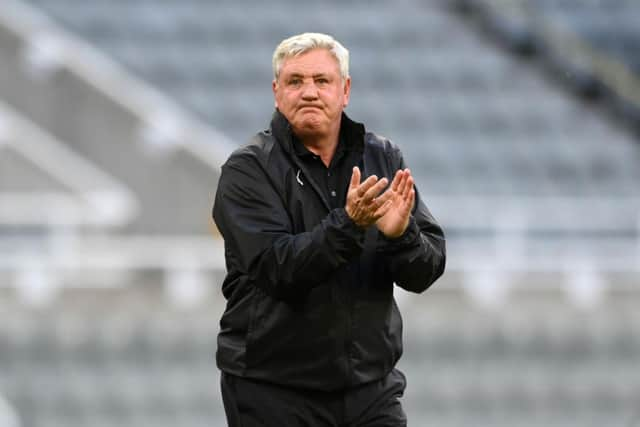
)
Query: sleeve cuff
[
  {"x": 407, "y": 239},
  {"x": 348, "y": 226}
]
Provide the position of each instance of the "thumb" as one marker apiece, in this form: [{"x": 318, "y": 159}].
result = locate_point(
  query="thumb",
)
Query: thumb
[{"x": 355, "y": 178}]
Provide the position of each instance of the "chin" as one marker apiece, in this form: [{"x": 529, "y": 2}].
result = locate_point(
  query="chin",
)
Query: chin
[{"x": 310, "y": 127}]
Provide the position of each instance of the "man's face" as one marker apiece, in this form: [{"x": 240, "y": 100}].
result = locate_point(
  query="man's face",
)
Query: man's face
[{"x": 311, "y": 93}]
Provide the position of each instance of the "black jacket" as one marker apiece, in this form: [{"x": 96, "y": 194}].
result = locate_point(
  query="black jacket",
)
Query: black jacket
[{"x": 310, "y": 294}]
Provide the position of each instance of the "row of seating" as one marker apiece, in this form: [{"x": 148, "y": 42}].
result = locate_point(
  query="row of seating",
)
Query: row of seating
[
  {"x": 438, "y": 389},
  {"x": 445, "y": 324},
  {"x": 607, "y": 29},
  {"x": 471, "y": 121},
  {"x": 420, "y": 77}
]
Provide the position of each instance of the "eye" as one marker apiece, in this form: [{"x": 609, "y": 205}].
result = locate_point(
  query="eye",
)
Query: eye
[
  {"x": 322, "y": 80},
  {"x": 295, "y": 81}
]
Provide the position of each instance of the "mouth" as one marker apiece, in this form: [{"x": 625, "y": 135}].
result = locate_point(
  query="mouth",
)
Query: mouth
[{"x": 310, "y": 107}]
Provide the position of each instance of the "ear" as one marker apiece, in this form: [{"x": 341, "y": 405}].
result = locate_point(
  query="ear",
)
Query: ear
[
  {"x": 274, "y": 88},
  {"x": 347, "y": 91}
]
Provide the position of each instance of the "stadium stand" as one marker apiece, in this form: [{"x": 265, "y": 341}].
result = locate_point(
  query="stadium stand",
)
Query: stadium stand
[
  {"x": 535, "y": 321},
  {"x": 126, "y": 357},
  {"x": 591, "y": 45},
  {"x": 121, "y": 126},
  {"x": 36, "y": 170}
]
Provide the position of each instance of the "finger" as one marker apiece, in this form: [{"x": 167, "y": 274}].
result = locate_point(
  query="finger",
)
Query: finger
[
  {"x": 402, "y": 187},
  {"x": 380, "y": 201},
  {"x": 382, "y": 210},
  {"x": 408, "y": 176},
  {"x": 396, "y": 180},
  {"x": 408, "y": 187},
  {"x": 366, "y": 185},
  {"x": 405, "y": 185},
  {"x": 408, "y": 202},
  {"x": 375, "y": 190},
  {"x": 355, "y": 178},
  {"x": 384, "y": 197}
]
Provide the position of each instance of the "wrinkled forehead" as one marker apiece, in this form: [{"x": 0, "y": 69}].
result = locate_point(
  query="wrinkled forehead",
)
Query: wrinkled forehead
[{"x": 309, "y": 63}]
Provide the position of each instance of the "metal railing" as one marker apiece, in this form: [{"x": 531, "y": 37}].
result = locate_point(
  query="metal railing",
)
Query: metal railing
[
  {"x": 564, "y": 42},
  {"x": 89, "y": 197}
]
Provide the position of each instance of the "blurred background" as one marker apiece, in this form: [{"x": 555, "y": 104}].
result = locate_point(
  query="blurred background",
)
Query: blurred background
[{"x": 519, "y": 118}]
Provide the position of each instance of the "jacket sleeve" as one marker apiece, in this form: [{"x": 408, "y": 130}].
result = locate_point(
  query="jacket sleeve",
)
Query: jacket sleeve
[
  {"x": 417, "y": 258},
  {"x": 253, "y": 220}
]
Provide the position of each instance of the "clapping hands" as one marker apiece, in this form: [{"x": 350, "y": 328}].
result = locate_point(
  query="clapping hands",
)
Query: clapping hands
[{"x": 369, "y": 203}]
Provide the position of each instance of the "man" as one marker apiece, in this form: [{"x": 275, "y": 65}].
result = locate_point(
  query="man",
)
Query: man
[{"x": 311, "y": 331}]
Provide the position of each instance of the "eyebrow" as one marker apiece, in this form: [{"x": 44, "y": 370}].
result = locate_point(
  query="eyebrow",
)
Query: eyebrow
[{"x": 313, "y": 75}]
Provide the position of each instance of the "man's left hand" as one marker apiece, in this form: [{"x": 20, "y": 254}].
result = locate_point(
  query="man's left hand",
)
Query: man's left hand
[{"x": 396, "y": 219}]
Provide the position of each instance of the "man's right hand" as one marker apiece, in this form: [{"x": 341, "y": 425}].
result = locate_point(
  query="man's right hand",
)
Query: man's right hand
[{"x": 365, "y": 205}]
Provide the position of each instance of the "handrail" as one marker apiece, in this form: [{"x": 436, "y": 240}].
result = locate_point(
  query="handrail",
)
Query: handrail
[
  {"x": 517, "y": 213},
  {"x": 117, "y": 110},
  {"x": 612, "y": 72},
  {"x": 87, "y": 253},
  {"x": 50, "y": 46},
  {"x": 91, "y": 197}
]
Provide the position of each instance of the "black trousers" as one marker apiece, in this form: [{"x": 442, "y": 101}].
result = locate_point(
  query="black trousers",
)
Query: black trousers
[{"x": 250, "y": 403}]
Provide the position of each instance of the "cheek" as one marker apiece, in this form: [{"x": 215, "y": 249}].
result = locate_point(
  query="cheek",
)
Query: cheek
[
  {"x": 289, "y": 99},
  {"x": 279, "y": 97},
  {"x": 335, "y": 101}
]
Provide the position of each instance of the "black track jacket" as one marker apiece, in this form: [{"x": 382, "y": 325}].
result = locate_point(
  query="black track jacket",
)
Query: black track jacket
[{"x": 310, "y": 294}]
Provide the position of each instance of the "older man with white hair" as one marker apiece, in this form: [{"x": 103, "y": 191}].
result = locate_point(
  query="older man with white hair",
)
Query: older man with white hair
[{"x": 320, "y": 219}]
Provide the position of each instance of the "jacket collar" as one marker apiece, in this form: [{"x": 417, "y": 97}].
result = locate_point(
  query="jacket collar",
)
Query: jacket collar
[{"x": 352, "y": 132}]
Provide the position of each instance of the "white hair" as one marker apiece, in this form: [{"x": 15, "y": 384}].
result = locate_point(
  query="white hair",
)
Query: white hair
[{"x": 301, "y": 43}]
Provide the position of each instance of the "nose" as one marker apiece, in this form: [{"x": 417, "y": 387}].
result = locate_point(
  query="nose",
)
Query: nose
[{"x": 309, "y": 91}]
